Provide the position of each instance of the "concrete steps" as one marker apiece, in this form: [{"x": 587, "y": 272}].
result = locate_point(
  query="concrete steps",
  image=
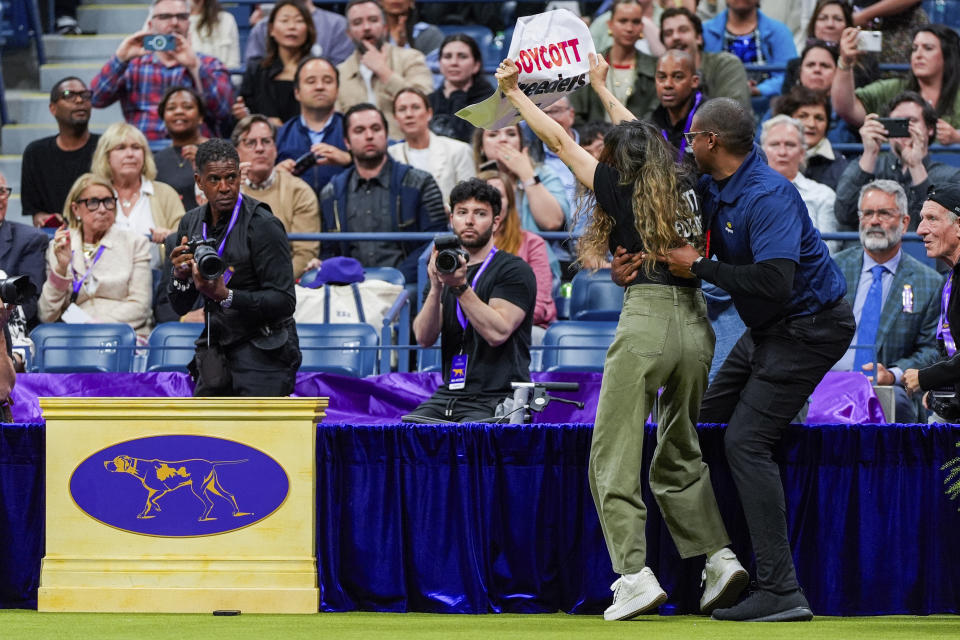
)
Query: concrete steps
[
  {"x": 86, "y": 71},
  {"x": 74, "y": 48},
  {"x": 113, "y": 18},
  {"x": 81, "y": 56},
  {"x": 16, "y": 137},
  {"x": 10, "y": 166}
]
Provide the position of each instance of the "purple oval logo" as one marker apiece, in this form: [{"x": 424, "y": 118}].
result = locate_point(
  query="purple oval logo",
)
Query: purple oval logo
[{"x": 179, "y": 485}]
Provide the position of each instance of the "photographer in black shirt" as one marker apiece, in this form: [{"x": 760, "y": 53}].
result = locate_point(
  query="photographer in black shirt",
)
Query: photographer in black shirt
[
  {"x": 249, "y": 346},
  {"x": 482, "y": 310}
]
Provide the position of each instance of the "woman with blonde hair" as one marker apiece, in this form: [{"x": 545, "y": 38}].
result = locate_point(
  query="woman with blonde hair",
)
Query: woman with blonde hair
[
  {"x": 144, "y": 206},
  {"x": 527, "y": 246},
  {"x": 94, "y": 266},
  {"x": 645, "y": 202}
]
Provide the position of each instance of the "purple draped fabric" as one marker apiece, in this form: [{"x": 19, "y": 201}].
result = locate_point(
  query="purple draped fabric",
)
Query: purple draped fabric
[
  {"x": 840, "y": 398},
  {"x": 844, "y": 397},
  {"x": 374, "y": 400}
]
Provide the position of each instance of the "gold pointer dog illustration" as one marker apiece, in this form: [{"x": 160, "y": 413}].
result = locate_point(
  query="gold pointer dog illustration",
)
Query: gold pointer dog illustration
[{"x": 160, "y": 477}]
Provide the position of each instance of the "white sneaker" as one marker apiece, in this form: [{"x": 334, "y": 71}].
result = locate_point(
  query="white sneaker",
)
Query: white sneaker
[
  {"x": 633, "y": 594},
  {"x": 724, "y": 579}
]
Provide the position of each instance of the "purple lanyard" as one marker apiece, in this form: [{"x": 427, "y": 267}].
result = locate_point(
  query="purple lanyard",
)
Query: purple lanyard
[
  {"x": 78, "y": 284},
  {"x": 943, "y": 327},
  {"x": 483, "y": 267},
  {"x": 683, "y": 141},
  {"x": 233, "y": 221}
]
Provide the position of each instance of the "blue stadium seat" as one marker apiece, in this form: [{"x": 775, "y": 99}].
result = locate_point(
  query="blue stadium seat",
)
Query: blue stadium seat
[
  {"x": 578, "y": 336},
  {"x": 387, "y": 274},
  {"x": 241, "y": 13},
  {"x": 172, "y": 345},
  {"x": 594, "y": 296},
  {"x": 332, "y": 348},
  {"x": 80, "y": 348},
  {"x": 429, "y": 359}
]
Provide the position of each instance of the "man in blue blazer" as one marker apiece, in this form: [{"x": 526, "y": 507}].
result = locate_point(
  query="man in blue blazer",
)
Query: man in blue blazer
[
  {"x": 895, "y": 298},
  {"x": 22, "y": 251}
]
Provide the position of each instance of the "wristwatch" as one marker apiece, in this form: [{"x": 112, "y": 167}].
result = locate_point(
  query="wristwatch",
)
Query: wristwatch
[
  {"x": 226, "y": 302},
  {"x": 458, "y": 290},
  {"x": 532, "y": 181}
]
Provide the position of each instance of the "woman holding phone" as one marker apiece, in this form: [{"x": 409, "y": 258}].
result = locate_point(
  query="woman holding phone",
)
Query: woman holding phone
[
  {"x": 645, "y": 202},
  {"x": 934, "y": 74}
]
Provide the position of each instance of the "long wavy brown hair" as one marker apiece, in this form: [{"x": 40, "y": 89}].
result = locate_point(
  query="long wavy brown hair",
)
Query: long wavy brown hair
[
  {"x": 510, "y": 235},
  {"x": 645, "y": 160}
]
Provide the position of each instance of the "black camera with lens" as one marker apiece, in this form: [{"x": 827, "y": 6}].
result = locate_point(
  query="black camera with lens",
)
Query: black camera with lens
[
  {"x": 210, "y": 265},
  {"x": 449, "y": 251},
  {"x": 17, "y": 290}
]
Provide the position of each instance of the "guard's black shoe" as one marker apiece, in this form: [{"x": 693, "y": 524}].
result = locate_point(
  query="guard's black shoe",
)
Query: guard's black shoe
[{"x": 766, "y": 606}]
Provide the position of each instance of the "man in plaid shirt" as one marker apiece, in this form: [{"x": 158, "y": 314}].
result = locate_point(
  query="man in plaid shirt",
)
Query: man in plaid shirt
[{"x": 138, "y": 77}]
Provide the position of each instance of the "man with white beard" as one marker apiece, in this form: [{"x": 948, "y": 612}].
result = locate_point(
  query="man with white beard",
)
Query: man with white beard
[{"x": 895, "y": 298}]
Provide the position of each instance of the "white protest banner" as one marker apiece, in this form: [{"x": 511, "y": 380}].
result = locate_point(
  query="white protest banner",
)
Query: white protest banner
[{"x": 552, "y": 51}]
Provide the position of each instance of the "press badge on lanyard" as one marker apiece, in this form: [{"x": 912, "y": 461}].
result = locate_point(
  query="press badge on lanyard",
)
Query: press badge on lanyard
[
  {"x": 458, "y": 372},
  {"x": 458, "y": 366}
]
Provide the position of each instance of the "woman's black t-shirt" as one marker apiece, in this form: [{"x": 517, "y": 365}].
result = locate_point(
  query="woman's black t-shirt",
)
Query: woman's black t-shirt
[{"x": 617, "y": 201}]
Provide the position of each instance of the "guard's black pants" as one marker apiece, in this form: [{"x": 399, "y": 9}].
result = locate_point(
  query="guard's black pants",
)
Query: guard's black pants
[{"x": 761, "y": 386}]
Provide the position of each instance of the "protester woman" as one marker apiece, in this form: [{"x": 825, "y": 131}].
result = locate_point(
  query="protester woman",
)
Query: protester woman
[
  {"x": 463, "y": 84},
  {"x": 103, "y": 270},
  {"x": 144, "y": 206},
  {"x": 182, "y": 111},
  {"x": 644, "y": 202},
  {"x": 934, "y": 74},
  {"x": 267, "y": 86}
]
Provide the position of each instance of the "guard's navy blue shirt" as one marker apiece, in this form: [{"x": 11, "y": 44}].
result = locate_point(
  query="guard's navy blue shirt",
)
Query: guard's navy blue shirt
[{"x": 759, "y": 215}]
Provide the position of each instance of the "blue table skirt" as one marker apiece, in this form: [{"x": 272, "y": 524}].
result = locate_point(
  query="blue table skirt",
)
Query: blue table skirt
[{"x": 485, "y": 518}]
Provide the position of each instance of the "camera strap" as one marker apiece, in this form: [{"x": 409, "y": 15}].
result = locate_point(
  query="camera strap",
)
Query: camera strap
[
  {"x": 78, "y": 284},
  {"x": 232, "y": 223},
  {"x": 462, "y": 319},
  {"x": 943, "y": 327}
]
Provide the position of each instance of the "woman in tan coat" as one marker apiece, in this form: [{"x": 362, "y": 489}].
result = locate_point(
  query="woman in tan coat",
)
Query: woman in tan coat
[{"x": 96, "y": 272}]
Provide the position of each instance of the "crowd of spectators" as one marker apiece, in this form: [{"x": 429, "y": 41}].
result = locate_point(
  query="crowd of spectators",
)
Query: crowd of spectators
[{"x": 347, "y": 122}]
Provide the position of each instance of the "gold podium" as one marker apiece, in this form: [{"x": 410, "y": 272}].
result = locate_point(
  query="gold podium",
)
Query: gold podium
[{"x": 180, "y": 505}]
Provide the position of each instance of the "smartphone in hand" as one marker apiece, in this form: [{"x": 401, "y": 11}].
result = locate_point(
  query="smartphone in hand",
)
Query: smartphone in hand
[
  {"x": 159, "y": 42},
  {"x": 896, "y": 127}
]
